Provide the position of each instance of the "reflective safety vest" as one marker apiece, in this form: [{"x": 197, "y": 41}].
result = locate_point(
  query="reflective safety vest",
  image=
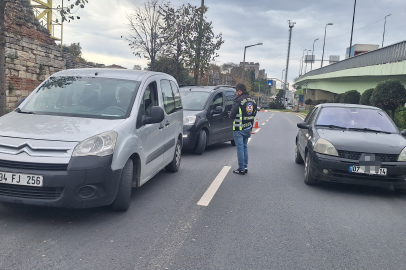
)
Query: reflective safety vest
[{"x": 246, "y": 114}]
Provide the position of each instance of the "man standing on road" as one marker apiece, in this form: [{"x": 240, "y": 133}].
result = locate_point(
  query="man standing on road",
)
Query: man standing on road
[{"x": 243, "y": 112}]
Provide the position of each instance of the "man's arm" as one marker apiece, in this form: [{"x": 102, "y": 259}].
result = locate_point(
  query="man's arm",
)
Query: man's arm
[{"x": 234, "y": 109}]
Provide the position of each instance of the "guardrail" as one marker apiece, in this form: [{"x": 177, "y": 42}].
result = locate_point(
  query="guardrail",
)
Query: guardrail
[{"x": 389, "y": 54}]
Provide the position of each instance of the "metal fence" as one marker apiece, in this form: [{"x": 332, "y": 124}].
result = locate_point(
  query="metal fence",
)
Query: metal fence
[{"x": 388, "y": 54}]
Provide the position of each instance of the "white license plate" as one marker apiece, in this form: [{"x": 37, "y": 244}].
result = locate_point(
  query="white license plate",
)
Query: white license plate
[
  {"x": 358, "y": 169},
  {"x": 21, "y": 179}
]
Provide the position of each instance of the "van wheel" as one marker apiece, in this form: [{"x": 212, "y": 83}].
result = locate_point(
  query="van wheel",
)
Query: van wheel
[
  {"x": 177, "y": 156},
  {"x": 201, "y": 143},
  {"x": 123, "y": 198},
  {"x": 232, "y": 142}
]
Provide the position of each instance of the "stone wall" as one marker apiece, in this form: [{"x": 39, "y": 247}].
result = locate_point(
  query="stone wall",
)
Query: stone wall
[{"x": 28, "y": 63}]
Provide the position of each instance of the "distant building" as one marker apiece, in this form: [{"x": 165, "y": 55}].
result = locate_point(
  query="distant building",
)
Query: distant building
[
  {"x": 255, "y": 67},
  {"x": 357, "y": 49}
]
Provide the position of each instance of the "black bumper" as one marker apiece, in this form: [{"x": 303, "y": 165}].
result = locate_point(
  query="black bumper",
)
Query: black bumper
[
  {"x": 189, "y": 139},
  {"x": 338, "y": 171},
  {"x": 87, "y": 182}
]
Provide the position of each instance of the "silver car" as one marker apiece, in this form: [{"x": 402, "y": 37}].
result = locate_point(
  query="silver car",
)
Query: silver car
[{"x": 86, "y": 137}]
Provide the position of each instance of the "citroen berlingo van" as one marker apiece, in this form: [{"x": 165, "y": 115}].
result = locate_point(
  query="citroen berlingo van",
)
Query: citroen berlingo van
[{"x": 86, "y": 137}]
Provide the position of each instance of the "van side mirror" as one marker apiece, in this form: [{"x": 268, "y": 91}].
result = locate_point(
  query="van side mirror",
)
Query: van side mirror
[
  {"x": 217, "y": 110},
  {"x": 157, "y": 115},
  {"x": 303, "y": 125},
  {"x": 403, "y": 132},
  {"x": 20, "y": 101}
]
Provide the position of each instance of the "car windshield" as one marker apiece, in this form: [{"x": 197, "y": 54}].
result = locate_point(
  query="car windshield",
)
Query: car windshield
[
  {"x": 194, "y": 101},
  {"x": 356, "y": 119},
  {"x": 83, "y": 97}
]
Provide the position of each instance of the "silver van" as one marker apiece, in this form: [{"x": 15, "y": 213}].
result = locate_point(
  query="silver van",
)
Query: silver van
[{"x": 86, "y": 137}]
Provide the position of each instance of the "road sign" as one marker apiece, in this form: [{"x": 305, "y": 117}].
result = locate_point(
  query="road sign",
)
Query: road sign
[{"x": 270, "y": 83}]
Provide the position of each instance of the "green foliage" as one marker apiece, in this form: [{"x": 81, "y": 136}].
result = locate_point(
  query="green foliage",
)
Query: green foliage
[
  {"x": 352, "y": 97},
  {"x": 279, "y": 99},
  {"x": 389, "y": 95},
  {"x": 66, "y": 12},
  {"x": 400, "y": 118},
  {"x": 308, "y": 101},
  {"x": 343, "y": 98},
  {"x": 74, "y": 49},
  {"x": 273, "y": 105},
  {"x": 337, "y": 98},
  {"x": 168, "y": 65},
  {"x": 10, "y": 87},
  {"x": 320, "y": 101},
  {"x": 366, "y": 96}
]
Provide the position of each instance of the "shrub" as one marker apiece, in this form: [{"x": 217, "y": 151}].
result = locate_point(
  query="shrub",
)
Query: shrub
[
  {"x": 272, "y": 105},
  {"x": 308, "y": 101},
  {"x": 342, "y": 98},
  {"x": 337, "y": 98},
  {"x": 400, "y": 118},
  {"x": 366, "y": 96},
  {"x": 389, "y": 95},
  {"x": 352, "y": 97}
]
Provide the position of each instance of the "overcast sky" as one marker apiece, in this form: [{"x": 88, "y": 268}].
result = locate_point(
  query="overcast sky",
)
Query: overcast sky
[{"x": 244, "y": 22}]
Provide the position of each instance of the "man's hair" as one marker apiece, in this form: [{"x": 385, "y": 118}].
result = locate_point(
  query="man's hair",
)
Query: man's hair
[{"x": 241, "y": 87}]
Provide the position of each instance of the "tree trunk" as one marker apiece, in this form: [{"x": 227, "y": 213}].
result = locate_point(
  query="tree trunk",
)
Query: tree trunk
[{"x": 2, "y": 59}]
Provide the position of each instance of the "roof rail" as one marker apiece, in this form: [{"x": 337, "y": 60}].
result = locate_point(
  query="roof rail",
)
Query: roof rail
[
  {"x": 181, "y": 85},
  {"x": 225, "y": 85}
]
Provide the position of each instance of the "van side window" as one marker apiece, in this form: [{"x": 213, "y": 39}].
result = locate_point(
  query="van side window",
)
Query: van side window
[
  {"x": 217, "y": 101},
  {"x": 149, "y": 99},
  {"x": 176, "y": 94},
  {"x": 168, "y": 97},
  {"x": 230, "y": 96}
]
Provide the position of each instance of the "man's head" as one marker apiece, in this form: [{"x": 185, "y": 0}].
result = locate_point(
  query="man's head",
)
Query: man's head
[{"x": 241, "y": 89}]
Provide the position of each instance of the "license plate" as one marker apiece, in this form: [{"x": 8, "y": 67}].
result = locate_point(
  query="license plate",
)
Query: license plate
[
  {"x": 358, "y": 169},
  {"x": 21, "y": 179}
]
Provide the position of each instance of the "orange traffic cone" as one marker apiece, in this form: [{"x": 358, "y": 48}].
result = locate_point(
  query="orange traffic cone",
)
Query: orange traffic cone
[{"x": 256, "y": 123}]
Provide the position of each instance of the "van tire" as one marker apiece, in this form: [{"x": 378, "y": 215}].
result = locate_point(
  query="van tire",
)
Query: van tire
[
  {"x": 177, "y": 157},
  {"x": 201, "y": 143},
  {"x": 123, "y": 198}
]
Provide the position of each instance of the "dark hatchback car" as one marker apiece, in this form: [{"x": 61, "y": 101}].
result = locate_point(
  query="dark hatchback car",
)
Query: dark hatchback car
[
  {"x": 205, "y": 116},
  {"x": 351, "y": 144}
]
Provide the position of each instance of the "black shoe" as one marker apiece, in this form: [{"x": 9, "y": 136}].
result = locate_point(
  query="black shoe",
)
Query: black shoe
[
  {"x": 246, "y": 170},
  {"x": 239, "y": 172}
]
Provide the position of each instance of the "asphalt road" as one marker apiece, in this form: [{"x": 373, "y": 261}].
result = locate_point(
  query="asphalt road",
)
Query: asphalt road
[{"x": 267, "y": 219}]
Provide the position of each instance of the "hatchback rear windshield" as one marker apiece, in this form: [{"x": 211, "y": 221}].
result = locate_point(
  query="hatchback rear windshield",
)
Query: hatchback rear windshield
[
  {"x": 83, "y": 97},
  {"x": 356, "y": 118},
  {"x": 194, "y": 101}
]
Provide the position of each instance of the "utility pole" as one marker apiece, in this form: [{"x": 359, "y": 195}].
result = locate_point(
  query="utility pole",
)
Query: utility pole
[
  {"x": 291, "y": 25},
  {"x": 199, "y": 46},
  {"x": 352, "y": 29}
]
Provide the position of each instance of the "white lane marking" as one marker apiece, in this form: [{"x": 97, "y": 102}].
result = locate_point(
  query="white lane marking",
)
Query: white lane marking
[
  {"x": 263, "y": 123},
  {"x": 249, "y": 139},
  {"x": 209, "y": 194},
  {"x": 256, "y": 130},
  {"x": 267, "y": 120}
]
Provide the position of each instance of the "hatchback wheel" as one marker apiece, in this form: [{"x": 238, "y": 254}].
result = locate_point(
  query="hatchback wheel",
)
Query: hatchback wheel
[
  {"x": 308, "y": 175},
  {"x": 298, "y": 157},
  {"x": 177, "y": 156},
  {"x": 123, "y": 198},
  {"x": 201, "y": 143}
]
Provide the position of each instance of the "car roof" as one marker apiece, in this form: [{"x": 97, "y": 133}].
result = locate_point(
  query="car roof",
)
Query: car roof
[
  {"x": 205, "y": 88},
  {"x": 114, "y": 73},
  {"x": 345, "y": 105}
]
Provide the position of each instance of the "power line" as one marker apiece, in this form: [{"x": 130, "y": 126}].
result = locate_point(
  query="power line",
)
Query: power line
[{"x": 356, "y": 29}]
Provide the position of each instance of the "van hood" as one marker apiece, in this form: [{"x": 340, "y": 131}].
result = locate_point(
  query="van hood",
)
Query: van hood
[{"x": 53, "y": 128}]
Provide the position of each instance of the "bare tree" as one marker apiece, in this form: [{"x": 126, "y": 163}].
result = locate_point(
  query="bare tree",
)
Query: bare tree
[{"x": 146, "y": 32}]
